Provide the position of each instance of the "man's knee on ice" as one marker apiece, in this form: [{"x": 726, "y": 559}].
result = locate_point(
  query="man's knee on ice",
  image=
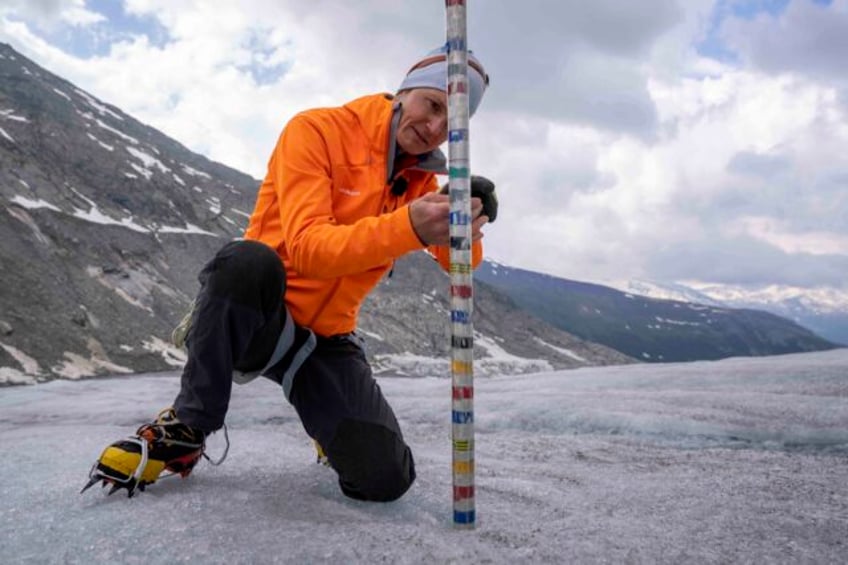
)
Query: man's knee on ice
[{"x": 372, "y": 461}]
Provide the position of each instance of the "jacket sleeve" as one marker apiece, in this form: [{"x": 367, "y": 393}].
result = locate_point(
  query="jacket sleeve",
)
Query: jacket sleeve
[{"x": 317, "y": 246}]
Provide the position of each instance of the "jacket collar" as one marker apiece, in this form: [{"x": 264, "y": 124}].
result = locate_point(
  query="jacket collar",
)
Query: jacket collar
[{"x": 379, "y": 115}]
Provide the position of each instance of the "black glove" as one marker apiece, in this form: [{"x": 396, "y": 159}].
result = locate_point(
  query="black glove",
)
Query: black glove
[{"x": 484, "y": 189}]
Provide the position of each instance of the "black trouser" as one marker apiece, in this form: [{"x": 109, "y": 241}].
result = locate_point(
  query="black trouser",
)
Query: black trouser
[{"x": 239, "y": 316}]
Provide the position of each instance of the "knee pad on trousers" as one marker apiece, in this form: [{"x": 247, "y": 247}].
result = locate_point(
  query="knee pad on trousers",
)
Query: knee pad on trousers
[
  {"x": 248, "y": 272},
  {"x": 372, "y": 461}
]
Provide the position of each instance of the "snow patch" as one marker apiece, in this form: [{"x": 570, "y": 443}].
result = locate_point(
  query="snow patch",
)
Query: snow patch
[
  {"x": 9, "y": 115},
  {"x": 97, "y": 105},
  {"x": 194, "y": 172},
  {"x": 12, "y": 376},
  {"x": 134, "y": 285},
  {"x": 33, "y": 204},
  {"x": 676, "y": 322},
  {"x": 148, "y": 161},
  {"x": 173, "y": 356},
  {"x": 500, "y": 362},
  {"x": 372, "y": 335},
  {"x": 146, "y": 173},
  {"x": 103, "y": 145},
  {"x": 29, "y": 365},
  {"x": 6, "y": 135},
  {"x": 62, "y": 94},
  {"x": 411, "y": 365},
  {"x": 214, "y": 205},
  {"x": 95, "y": 216},
  {"x": 75, "y": 366},
  {"x": 190, "y": 229},
  {"x": 119, "y": 133},
  {"x": 561, "y": 350}
]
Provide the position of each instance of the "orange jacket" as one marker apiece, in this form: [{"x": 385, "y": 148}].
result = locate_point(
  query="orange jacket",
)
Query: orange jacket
[{"x": 325, "y": 206}]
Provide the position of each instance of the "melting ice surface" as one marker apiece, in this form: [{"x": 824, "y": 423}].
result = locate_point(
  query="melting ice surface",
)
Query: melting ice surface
[{"x": 742, "y": 460}]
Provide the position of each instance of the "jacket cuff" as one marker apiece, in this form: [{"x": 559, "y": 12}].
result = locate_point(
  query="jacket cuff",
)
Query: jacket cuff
[{"x": 404, "y": 238}]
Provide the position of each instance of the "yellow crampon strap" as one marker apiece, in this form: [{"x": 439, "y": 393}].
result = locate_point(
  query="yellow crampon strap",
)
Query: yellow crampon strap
[
  {"x": 180, "y": 333},
  {"x": 322, "y": 457}
]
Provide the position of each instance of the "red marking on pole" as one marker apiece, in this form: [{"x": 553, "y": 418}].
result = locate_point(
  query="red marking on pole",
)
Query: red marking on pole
[
  {"x": 457, "y": 87},
  {"x": 454, "y": 2},
  {"x": 462, "y": 493},
  {"x": 461, "y": 290},
  {"x": 463, "y": 392}
]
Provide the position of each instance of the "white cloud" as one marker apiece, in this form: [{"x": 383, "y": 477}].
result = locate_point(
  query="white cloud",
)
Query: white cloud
[
  {"x": 784, "y": 238},
  {"x": 618, "y": 150}
]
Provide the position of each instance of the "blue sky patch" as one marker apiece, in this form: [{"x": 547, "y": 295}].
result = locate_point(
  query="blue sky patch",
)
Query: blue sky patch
[
  {"x": 263, "y": 72},
  {"x": 96, "y": 39},
  {"x": 712, "y": 45}
]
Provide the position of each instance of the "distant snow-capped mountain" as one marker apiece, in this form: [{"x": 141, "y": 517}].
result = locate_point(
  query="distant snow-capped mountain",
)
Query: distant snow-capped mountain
[
  {"x": 823, "y": 310},
  {"x": 666, "y": 291}
]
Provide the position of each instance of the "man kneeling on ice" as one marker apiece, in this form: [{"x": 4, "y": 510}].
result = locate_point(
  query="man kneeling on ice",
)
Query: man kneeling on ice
[{"x": 348, "y": 190}]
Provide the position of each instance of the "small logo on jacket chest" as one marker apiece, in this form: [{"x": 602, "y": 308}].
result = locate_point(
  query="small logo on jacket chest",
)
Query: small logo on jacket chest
[{"x": 350, "y": 191}]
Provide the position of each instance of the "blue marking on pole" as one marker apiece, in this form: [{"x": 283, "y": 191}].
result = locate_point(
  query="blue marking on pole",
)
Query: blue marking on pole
[
  {"x": 460, "y": 317},
  {"x": 459, "y": 218},
  {"x": 463, "y": 517},
  {"x": 462, "y": 417},
  {"x": 456, "y": 135}
]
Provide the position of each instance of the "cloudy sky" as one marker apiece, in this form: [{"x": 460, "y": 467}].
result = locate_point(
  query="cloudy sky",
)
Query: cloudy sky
[{"x": 671, "y": 140}]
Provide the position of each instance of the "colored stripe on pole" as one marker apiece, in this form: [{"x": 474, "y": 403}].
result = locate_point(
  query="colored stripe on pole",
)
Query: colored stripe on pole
[{"x": 464, "y": 517}]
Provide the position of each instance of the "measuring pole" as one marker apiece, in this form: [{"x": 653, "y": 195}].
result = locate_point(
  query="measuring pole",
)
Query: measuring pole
[{"x": 462, "y": 304}]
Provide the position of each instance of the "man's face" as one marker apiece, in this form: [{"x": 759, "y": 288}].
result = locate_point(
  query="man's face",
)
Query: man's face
[{"x": 423, "y": 125}]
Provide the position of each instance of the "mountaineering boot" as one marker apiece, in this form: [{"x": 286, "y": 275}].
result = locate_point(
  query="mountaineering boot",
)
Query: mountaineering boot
[{"x": 166, "y": 444}]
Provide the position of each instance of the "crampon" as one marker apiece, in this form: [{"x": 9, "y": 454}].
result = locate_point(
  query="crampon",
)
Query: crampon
[{"x": 164, "y": 446}]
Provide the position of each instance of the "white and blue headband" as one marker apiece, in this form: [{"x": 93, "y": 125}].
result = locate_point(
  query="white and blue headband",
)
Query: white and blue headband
[{"x": 431, "y": 72}]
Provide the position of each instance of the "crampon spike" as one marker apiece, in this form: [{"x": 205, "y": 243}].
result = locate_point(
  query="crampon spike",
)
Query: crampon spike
[
  {"x": 114, "y": 489},
  {"x": 89, "y": 484}
]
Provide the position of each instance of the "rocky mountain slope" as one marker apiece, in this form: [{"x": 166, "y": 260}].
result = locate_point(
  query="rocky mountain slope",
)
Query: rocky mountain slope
[{"x": 105, "y": 222}]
